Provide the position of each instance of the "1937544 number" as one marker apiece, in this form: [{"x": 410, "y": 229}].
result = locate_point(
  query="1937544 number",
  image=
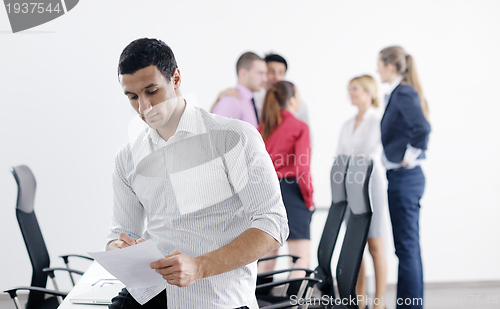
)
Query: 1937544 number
[{"x": 32, "y": 8}]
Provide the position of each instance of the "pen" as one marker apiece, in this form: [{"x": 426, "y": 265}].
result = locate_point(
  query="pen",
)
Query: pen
[{"x": 133, "y": 240}]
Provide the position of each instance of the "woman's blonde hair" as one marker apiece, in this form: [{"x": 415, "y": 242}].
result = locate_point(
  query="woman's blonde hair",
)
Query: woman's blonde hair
[
  {"x": 369, "y": 85},
  {"x": 405, "y": 65}
]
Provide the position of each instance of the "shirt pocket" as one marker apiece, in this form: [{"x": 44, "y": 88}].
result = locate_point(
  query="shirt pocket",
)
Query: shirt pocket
[{"x": 201, "y": 186}]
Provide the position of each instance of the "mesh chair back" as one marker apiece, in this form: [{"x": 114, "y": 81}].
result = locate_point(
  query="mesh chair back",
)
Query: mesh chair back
[
  {"x": 358, "y": 199},
  {"x": 31, "y": 232},
  {"x": 332, "y": 225}
]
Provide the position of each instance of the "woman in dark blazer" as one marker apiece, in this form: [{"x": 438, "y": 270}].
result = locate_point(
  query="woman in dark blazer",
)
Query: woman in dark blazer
[{"x": 405, "y": 132}]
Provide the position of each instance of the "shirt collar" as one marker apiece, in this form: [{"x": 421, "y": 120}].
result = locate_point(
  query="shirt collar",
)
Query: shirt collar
[
  {"x": 191, "y": 122},
  {"x": 394, "y": 84},
  {"x": 368, "y": 112},
  {"x": 285, "y": 113},
  {"x": 245, "y": 93},
  {"x": 154, "y": 136}
]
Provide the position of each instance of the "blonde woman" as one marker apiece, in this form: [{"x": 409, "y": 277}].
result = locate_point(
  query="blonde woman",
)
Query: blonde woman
[
  {"x": 360, "y": 135},
  {"x": 405, "y": 132}
]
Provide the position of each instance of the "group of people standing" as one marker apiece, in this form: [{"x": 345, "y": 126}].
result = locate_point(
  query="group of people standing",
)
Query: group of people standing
[
  {"x": 263, "y": 98},
  {"x": 397, "y": 143}
]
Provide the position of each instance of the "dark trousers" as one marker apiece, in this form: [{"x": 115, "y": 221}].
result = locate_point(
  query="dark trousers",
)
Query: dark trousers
[
  {"x": 125, "y": 301},
  {"x": 405, "y": 188}
]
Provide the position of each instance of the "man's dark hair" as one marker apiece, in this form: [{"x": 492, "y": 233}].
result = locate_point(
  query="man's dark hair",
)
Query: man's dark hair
[
  {"x": 142, "y": 53},
  {"x": 246, "y": 61},
  {"x": 276, "y": 58}
]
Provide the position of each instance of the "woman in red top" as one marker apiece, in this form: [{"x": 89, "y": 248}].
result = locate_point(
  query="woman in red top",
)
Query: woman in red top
[{"x": 287, "y": 142}]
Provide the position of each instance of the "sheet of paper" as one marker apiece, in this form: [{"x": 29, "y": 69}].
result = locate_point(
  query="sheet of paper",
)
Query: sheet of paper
[{"x": 131, "y": 265}]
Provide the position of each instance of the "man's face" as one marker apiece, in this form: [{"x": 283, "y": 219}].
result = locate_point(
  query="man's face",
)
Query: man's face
[
  {"x": 151, "y": 95},
  {"x": 275, "y": 73},
  {"x": 256, "y": 76}
]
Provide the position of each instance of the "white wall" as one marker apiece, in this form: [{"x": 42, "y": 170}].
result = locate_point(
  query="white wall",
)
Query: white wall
[{"x": 64, "y": 115}]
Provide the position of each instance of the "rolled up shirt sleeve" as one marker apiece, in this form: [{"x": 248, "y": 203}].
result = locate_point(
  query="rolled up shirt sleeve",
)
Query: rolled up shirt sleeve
[{"x": 252, "y": 175}]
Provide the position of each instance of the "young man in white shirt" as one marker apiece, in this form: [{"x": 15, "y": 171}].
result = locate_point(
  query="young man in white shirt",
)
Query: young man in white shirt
[{"x": 200, "y": 186}]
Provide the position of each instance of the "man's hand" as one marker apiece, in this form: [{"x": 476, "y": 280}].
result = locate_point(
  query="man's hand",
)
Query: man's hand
[
  {"x": 178, "y": 269},
  {"x": 232, "y": 92},
  {"x": 123, "y": 241},
  {"x": 182, "y": 270}
]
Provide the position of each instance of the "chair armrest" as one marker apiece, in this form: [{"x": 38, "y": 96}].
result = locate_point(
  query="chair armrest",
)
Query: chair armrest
[
  {"x": 13, "y": 292},
  {"x": 274, "y": 272},
  {"x": 67, "y": 256},
  {"x": 281, "y": 282},
  {"x": 288, "y": 304},
  {"x": 294, "y": 257},
  {"x": 50, "y": 271}
]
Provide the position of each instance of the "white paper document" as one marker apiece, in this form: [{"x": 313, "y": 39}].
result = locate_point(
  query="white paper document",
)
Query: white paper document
[{"x": 131, "y": 265}]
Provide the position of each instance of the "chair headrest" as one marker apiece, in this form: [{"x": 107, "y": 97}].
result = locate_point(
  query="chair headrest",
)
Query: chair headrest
[
  {"x": 337, "y": 178},
  {"x": 26, "y": 184},
  {"x": 357, "y": 180}
]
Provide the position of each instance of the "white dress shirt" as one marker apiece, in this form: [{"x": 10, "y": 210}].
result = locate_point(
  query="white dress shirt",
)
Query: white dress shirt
[
  {"x": 411, "y": 153},
  {"x": 365, "y": 140},
  {"x": 197, "y": 192}
]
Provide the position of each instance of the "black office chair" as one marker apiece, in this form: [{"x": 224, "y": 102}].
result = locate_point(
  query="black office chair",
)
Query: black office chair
[
  {"x": 327, "y": 243},
  {"x": 35, "y": 245},
  {"x": 350, "y": 190},
  {"x": 333, "y": 223},
  {"x": 358, "y": 199},
  {"x": 301, "y": 299}
]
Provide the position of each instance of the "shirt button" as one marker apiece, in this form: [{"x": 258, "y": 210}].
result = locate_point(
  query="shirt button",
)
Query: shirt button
[
  {"x": 168, "y": 175},
  {"x": 170, "y": 201}
]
